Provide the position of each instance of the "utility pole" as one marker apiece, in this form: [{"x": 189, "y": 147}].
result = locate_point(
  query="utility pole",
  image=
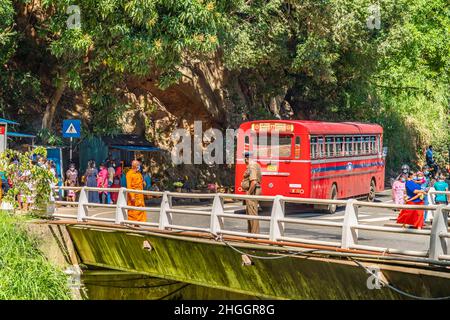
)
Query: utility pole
[{"x": 71, "y": 139}]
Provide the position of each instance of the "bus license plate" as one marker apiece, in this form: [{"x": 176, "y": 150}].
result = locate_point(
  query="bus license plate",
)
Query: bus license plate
[{"x": 272, "y": 167}]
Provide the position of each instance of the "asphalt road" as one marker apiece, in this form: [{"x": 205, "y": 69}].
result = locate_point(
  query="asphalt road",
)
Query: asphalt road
[{"x": 366, "y": 215}]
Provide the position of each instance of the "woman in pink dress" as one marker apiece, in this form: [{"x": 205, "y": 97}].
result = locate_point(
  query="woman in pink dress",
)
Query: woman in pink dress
[
  {"x": 102, "y": 182},
  {"x": 399, "y": 191}
]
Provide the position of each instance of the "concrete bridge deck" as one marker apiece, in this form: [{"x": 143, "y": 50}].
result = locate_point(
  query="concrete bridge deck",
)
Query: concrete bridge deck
[{"x": 298, "y": 254}]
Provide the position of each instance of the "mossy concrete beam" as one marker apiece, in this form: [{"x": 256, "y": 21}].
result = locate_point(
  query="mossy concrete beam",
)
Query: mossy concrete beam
[{"x": 210, "y": 263}]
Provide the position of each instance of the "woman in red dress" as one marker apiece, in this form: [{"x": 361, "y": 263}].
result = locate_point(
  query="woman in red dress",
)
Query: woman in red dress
[{"x": 415, "y": 195}]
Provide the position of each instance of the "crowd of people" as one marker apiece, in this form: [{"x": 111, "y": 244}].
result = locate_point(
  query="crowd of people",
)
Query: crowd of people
[
  {"x": 111, "y": 175},
  {"x": 412, "y": 188}
]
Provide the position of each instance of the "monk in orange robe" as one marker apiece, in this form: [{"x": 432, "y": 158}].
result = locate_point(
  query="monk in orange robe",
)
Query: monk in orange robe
[{"x": 135, "y": 181}]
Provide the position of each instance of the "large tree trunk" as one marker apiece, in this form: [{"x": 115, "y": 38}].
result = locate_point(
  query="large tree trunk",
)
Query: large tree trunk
[{"x": 50, "y": 110}]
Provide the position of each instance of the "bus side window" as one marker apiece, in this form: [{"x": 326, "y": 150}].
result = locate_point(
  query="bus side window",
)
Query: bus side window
[
  {"x": 378, "y": 143},
  {"x": 297, "y": 148},
  {"x": 340, "y": 147},
  {"x": 313, "y": 143},
  {"x": 246, "y": 143},
  {"x": 366, "y": 145},
  {"x": 348, "y": 146},
  {"x": 329, "y": 144},
  {"x": 373, "y": 145},
  {"x": 357, "y": 145},
  {"x": 362, "y": 150},
  {"x": 320, "y": 148}
]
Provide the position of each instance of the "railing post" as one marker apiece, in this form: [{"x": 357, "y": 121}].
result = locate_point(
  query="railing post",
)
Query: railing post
[
  {"x": 431, "y": 201},
  {"x": 51, "y": 207},
  {"x": 82, "y": 201},
  {"x": 438, "y": 245},
  {"x": 350, "y": 235},
  {"x": 121, "y": 202},
  {"x": 165, "y": 217},
  {"x": 276, "y": 230},
  {"x": 217, "y": 209}
]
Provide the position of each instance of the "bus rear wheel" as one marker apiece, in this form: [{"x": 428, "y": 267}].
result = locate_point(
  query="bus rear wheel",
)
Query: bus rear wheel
[
  {"x": 332, "y": 207},
  {"x": 372, "y": 191}
]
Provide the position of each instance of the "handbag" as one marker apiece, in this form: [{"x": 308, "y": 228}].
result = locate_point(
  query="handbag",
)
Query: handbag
[{"x": 245, "y": 184}]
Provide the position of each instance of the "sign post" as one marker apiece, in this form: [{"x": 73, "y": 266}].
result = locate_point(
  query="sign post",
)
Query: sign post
[
  {"x": 71, "y": 139},
  {"x": 71, "y": 129}
]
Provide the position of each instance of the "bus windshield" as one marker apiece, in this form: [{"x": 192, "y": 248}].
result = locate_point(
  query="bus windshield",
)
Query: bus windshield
[{"x": 268, "y": 146}]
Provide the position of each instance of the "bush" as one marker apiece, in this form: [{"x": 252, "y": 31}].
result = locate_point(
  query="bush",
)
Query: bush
[{"x": 24, "y": 271}]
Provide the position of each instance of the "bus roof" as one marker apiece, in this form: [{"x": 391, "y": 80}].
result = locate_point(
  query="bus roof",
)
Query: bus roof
[{"x": 323, "y": 127}]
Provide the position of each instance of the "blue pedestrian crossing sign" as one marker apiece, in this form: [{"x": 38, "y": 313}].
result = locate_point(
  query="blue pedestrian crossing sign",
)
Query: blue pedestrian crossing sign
[{"x": 71, "y": 129}]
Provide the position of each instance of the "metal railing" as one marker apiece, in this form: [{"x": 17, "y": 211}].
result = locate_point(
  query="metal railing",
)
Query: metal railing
[{"x": 350, "y": 227}]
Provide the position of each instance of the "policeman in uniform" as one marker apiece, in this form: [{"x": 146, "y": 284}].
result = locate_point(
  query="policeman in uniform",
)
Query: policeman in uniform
[{"x": 252, "y": 182}]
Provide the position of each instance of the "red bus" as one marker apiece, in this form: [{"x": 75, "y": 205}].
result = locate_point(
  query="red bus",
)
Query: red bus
[{"x": 314, "y": 159}]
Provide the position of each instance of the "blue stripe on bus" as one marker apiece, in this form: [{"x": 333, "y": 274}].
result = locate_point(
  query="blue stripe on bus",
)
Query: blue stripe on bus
[{"x": 344, "y": 167}]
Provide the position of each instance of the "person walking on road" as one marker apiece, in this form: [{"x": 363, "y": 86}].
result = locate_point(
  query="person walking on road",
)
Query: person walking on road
[
  {"x": 91, "y": 181},
  {"x": 111, "y": 173},
  {"x": 135, "y": 181},
  {"x": 251, "y": 183},
  {"x": 72, "y": 174},
  {"x": 415, "y": 196},
  {"x": 71, "y": 181},
  {"x": 102, "y": 182},
  {"x": 399, "y": 190},
  {"x": 429, "y": 156},
  {"x": 441, "y": 185},
  {"x": 116, "y": 185}
]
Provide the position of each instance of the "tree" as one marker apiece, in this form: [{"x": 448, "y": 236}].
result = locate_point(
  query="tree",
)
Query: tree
[
  {"x": 319, "y": 56},
  {"x": 155, "y": 36},
  {"x": 6, "y": 31}
]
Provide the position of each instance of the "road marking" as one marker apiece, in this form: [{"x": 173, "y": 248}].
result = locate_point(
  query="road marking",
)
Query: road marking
[
  {"x": 378, "y": 213},
  {"x": 342, "y": 217},
  {"x": 376, "y": 219},
  {"x": 303, "y": 215},
  {"x": 101, "y": 213}
]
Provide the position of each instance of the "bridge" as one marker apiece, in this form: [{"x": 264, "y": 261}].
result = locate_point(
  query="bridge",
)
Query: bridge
[{"x": 357, "y": 253}]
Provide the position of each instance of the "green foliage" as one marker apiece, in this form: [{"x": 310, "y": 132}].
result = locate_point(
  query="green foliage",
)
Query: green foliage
[
  {"x": 18, "y": 88},
  {"x": 137, "y": 37},
  {"x": 336, "y": 68},
  {"x": 49, "y": 138},
  {"x": 319, "y": 55},
  {"x": 106, "y": 111},
  {"x": 25, "y": 274},
  {"x": 14, "y": 163},
  {"x": 7, "y": 45}
]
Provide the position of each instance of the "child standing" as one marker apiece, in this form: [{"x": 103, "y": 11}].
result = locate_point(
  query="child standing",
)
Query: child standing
[{"x": 71, "y": 195}]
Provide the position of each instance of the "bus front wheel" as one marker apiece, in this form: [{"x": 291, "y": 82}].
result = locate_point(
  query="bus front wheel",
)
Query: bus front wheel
[{"x": 332, "y": 207}]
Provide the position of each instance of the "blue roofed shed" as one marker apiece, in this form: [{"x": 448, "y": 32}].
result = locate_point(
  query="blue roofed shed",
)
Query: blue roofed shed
[{"x": 122, "y": 147}]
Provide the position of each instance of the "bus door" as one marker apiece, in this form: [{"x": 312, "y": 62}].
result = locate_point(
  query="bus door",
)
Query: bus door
[{"x": 274, "y": 155}]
